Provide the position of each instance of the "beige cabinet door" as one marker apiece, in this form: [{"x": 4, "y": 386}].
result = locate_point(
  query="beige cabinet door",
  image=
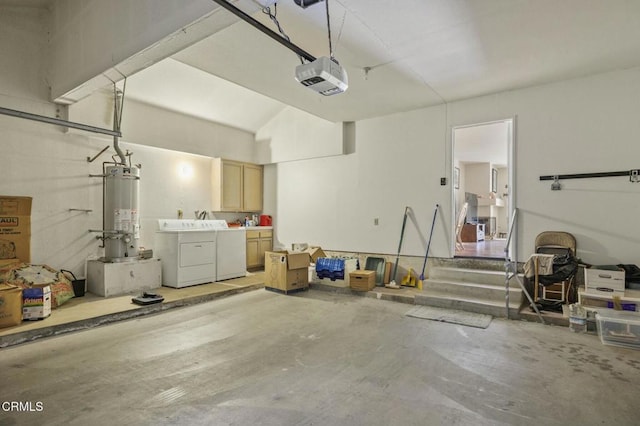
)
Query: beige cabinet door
[
  {"x": 236, "y": 186},
  {"x": 266, "y": 244},
  {"x": 252, "y": 187},
  {"x": 253, "y": 257},
  {"x": 231, "y": 186},
  {"x": 258, "y": 242}
]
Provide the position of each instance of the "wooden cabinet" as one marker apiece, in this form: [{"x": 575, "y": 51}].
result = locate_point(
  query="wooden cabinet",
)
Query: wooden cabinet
[
  {"x": 472, "y": 232},
  {"x": 237, "y": 187},
  {"x": 252, "y": 187},
  {"x": 259, "y": 241}
]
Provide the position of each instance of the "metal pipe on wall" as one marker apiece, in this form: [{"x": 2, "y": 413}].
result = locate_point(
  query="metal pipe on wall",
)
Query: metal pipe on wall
[{"x": 58, "y": 122}]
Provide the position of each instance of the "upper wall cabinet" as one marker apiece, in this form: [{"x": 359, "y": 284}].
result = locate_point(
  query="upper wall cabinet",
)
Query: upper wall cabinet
[{"x": 237, "y": 187}]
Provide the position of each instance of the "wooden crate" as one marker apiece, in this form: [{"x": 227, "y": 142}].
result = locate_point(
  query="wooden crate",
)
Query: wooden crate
[{"x": 362, "y": 280}]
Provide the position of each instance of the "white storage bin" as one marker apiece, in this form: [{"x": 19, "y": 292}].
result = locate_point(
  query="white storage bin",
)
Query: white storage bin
[{"x": 603, "y": 281}]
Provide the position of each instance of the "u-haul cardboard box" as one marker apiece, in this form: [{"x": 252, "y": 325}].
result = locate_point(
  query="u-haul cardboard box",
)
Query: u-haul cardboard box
[
  {"x": 10, "y": 305},
  {"x": 36, "y": 303},
  {"x": 286, "y": 271},
  {"x": 15, "y": 228}
]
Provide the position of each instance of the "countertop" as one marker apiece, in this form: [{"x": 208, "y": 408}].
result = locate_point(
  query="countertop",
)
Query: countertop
[{"x": 257, "y": 228}]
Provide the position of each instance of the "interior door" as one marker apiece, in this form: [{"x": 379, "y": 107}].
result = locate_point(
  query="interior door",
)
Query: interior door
[{"x": 482, "y": 171}]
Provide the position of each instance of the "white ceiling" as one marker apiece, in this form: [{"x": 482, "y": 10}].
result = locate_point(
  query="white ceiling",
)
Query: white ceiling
[
  {"x": 173, "y": 85},
  {"x": 421, "y": 53}
]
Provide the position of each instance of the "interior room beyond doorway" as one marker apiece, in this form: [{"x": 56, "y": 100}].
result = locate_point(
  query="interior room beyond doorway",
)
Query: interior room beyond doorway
[{"x": 481, "y": 190}]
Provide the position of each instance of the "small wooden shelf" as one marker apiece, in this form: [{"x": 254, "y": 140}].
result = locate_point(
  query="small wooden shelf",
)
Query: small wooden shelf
[
  {"x": 592, "y": 300},
  {"x": 472, "y": 232}
]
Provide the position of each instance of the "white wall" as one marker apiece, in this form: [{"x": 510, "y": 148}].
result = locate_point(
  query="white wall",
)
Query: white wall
[
  {"x": 40, "y": 160},
  {"x": 333, "y": 201},
  {"x": 169, "y": 180},
  {"x": 50, "y": 165},
  {"x": 43, "y": 162},
  {"x": 478, "y": 179},
  {"x": 23, "y": 43},
  {"x": 578, "y": 126},
  {"x": 583, "y": 125},
  {"x": 146, "y": 124},
  {"x": 296, "y": 135}
]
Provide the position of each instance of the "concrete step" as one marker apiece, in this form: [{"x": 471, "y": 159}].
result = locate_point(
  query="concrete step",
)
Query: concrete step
[
  {"x": 469, "y": 263},
  {"x": 478, "y": 276},
  {"x": 475, "y": 290},
  {"x": 470, "y": 304}
]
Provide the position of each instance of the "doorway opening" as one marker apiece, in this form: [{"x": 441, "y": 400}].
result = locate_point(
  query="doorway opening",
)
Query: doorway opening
[{"x": 482, "y": 191}]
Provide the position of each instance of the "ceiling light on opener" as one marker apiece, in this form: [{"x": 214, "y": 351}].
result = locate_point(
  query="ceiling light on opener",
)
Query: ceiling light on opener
[{"x": 324, "y": 75}]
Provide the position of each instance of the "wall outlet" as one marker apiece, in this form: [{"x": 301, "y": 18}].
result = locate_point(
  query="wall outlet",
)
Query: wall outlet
[
  {"x": 375, "y": 221},
  {"x": 443, "y": 181}
]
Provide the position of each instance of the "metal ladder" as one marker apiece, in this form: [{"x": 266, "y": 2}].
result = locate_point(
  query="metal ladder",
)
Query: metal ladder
[{"x": 511, "y": 271}]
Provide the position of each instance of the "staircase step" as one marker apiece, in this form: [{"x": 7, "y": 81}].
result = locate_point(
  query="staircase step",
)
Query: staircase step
[
  {"x": 474, "y": 290},
  {"x": 470, "y": 263},
  {"x": 468, "y": 275},
  {"x": 469, "y": 304}
]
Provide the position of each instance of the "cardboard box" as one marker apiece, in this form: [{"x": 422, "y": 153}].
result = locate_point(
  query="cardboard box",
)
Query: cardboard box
[
  {"x": 362, "y": 280},
  {"x": 10, "y": 305},
  {"x": 315, "y": 253},
  {"x": 286, "y": 271},
  {"x": 298, "y": 247},
  {"x": 15, "y": 228},
  {"x": 387, "y": 272},
  {"x": 36, "y": 303}
]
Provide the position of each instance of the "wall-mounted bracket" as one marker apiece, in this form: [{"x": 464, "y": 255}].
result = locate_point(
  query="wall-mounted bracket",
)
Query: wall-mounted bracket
[
  {"x": 634, "y": 176},
  {"x": 90, "y": 159}
]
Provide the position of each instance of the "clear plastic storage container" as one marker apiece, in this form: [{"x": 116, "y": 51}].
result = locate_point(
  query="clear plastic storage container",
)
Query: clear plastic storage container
[{"x": 619, "y": 328}]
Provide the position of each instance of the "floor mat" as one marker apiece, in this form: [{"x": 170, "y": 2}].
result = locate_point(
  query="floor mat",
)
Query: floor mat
[{"x": 452, "y": 316}]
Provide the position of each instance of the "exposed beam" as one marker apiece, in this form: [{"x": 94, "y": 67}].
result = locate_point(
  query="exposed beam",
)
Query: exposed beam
[{"x": 266, "y": 30}]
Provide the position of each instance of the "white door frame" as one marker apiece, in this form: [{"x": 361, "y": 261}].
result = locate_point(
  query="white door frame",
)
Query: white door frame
[{"x": 511, "y": 190}]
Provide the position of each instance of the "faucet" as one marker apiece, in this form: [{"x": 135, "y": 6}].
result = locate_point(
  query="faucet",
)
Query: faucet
[{"x": 201, "y": 215}]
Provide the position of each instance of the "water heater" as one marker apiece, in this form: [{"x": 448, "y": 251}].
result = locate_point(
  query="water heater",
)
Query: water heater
[{"x": 121, "y": 218}]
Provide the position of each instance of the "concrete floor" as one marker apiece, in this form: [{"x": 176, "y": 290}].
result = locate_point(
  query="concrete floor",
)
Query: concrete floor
[
  {"x": 91, "y": 310},
  {"x": 318, "y": 358}
]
